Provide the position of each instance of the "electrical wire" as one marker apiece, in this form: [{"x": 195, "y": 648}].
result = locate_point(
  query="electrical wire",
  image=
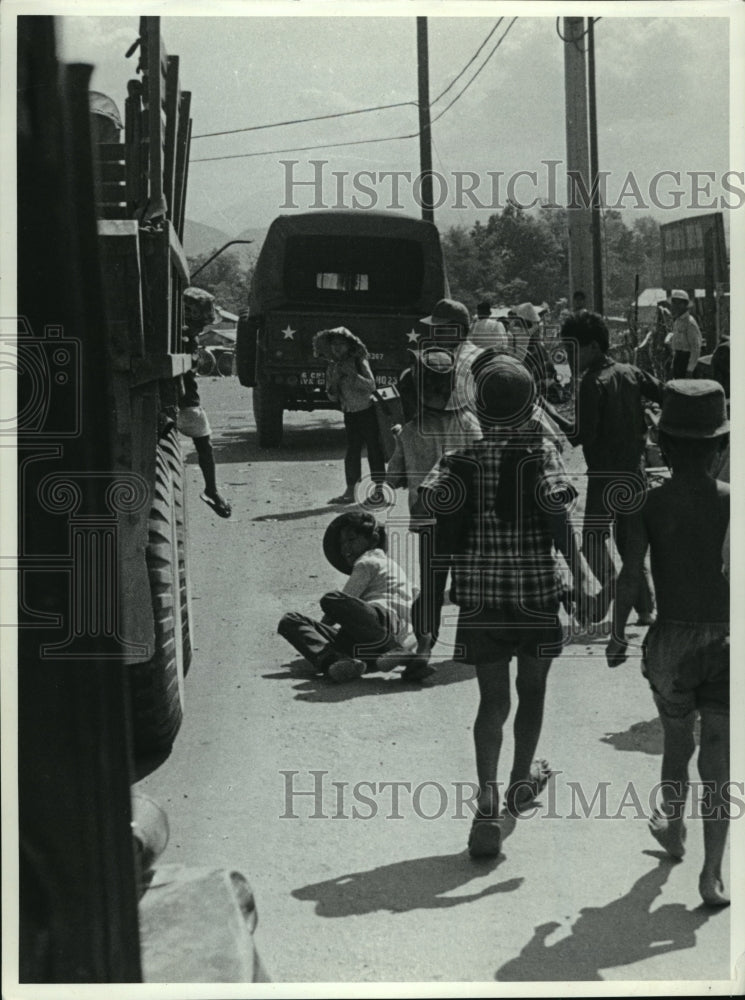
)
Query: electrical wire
[
  {"x": 363, "y": 142},
  {"x": 305, "y": 149},
  {"x": 299, "y": 121},
  {"x": 469, "y": 63},
  {"x": 478, "y": 71}
]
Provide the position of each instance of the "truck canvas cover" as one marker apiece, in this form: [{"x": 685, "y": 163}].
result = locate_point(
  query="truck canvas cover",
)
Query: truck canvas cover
[{"x": 349, "y": 261}]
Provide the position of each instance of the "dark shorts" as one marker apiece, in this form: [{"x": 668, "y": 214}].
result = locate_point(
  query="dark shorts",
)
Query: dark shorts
[
  {"x": 687, "y": 666},
  {"x": 493, "y": 634}
]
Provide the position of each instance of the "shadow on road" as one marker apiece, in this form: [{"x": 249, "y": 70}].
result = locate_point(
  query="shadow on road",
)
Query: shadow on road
[
  {"x": 318, "y": 688},
  {"x": 621, "y": 933},
  {"x": 644, "y": 737},
  {"x": 419, "y": 884},
  {"x": 313, "y": 442},
  {"x": 297, "y": 515}
]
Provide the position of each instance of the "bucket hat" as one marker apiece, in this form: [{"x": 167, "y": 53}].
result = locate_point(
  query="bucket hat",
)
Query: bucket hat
[
  {"x": 693, "y": 408},
  {"x": 504, "y": 389},
  {"x": 448, "y": 312}
]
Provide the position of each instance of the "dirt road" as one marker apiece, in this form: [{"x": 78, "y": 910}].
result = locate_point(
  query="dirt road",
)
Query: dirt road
[{"x": 351, "y": 884}]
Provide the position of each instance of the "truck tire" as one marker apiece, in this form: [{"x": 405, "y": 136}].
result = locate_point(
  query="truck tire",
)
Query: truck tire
[
  {"x": 206, "y": 364},
  {"x": 225, "y": 363},
  {"x": 157, "y": 687},
  {"x": 172, "y": 447},
  {"x": 268, "y": 410}
]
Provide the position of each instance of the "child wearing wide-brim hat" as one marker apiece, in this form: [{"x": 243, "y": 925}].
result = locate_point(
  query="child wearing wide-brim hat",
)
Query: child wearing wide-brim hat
[
  {"x": 369, "y": 616},
  {"x": 351, "y": 383},
  {"x": 685, "y": 656}
]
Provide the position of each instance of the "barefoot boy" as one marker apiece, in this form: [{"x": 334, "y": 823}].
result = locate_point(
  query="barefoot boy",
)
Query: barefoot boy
[{"x": 686, "y": 651}]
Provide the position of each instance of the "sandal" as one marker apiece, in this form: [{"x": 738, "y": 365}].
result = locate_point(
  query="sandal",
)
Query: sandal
[
  {"x": 485, "y": 838},
  {"x": 220, "y": 506},
  {"x": 343, "y": 498},
  {"x": 417, "y": 669},
  {"x": 523, "y": 794}
]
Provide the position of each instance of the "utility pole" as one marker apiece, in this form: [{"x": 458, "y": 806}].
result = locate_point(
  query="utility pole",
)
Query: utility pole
[
  {"x": 597, "y": 259},
  {"x": 425, "y": 128},
  {"x": 579, "y": 214}
]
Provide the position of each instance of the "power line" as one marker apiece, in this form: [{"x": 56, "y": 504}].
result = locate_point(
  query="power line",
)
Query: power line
[
  {"x": 344, "y": 114},
  {"x": 478, "y": 71},
  {"x": 470, "y": 61},
  {"x": 299, "y": 121},
  {"x": 304, "y": 149},
  {"x": 389, "y": 138}
]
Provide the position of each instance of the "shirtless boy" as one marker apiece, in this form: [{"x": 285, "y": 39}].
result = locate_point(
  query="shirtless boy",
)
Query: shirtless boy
[{"x": 686, "y": 651}]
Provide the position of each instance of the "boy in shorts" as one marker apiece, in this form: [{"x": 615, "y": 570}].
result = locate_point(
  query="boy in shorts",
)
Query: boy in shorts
[
  {"x": 501, "y": 505},
  {"x": 686, "y": 651},
  {"x": 199, "y": 311}
]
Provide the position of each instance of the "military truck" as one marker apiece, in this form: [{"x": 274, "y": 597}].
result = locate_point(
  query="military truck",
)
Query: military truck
[
  {"x": 104, "y": 636},
  {"x": 377, "y": 273}
]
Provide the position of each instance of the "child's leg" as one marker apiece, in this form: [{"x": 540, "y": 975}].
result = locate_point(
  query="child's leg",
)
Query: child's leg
[
  {"x": 375, "y": 453},
  {"x": 310, "y": 638},
  {"x": 494, "y": 707},
  {"x": 364, "y": 631},
  {"x": 666, "y": 825},
  {"x": 206, "y": 458},
  {"x": 713, "y": 767},
  {"x": 532, "y": 674},
  {"x": 353, "y": 454}
]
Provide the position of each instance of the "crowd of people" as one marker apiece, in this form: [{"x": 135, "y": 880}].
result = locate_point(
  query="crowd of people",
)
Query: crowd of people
[{"x": 479, "y": 455}]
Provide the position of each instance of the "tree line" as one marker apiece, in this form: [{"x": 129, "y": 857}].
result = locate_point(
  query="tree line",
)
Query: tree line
[{"x": 516, "y": 256}]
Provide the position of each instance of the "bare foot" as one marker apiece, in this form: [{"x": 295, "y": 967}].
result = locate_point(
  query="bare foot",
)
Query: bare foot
[
  {"x": 668, "y": 833},
  {"x": 712, "y": 890}
]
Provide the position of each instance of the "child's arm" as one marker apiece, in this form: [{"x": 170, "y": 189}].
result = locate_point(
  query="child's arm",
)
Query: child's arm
[
  {"x": 358, "y": 370},
  {"x": 637, "y": 542},
  {"x": 359, "y": 579},
  {"x": 332, "y": 381},
  {"x": 396, "y": 475},
  {"x": 587, "y": 413}
]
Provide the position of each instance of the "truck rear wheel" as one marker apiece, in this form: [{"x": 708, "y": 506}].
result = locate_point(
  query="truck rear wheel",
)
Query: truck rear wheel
[
  {"x": 268, "y": 408},
  {"x": 157, "y": 686},
  {"x": 172, "y": 447}
]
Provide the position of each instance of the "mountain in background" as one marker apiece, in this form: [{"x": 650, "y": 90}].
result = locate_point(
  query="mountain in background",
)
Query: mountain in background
[{"x": 200, "y": 239}]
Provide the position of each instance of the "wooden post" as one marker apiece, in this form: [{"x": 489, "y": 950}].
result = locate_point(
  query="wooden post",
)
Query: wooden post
[
  {"x": 425, "y": 128},
  {"x": 579, "y": 214}
]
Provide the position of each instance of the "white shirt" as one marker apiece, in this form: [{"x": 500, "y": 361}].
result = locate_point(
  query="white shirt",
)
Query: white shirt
[
  {"x": 687, "y": 337},
  {"x": 488, "y": 332},
  {"x": 377, "y": 579}
]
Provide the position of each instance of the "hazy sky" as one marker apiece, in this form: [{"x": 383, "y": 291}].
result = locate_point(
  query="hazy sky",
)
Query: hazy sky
[{"x": 662, "y": 91}]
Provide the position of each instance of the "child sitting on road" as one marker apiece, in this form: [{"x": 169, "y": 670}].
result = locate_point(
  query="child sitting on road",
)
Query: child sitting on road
[
  {"x": 351, "y": 383},
  {"x": 420, "y": 445},
  {"x": 370, "y": 615},
  {"x": 501, "y": 505},
  {"x": 685, "y": 656}
]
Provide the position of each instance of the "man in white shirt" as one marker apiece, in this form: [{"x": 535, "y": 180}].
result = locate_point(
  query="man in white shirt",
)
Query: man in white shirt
[
  {"x": 486, "y": 331},
  {"x": 686, "y": 336}
]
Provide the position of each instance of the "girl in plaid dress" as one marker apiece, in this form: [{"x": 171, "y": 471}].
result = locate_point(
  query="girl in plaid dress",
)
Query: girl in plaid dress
[{"x": 502, "y": 507}]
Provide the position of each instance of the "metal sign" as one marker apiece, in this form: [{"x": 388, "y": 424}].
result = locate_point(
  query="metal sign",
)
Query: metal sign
[{"x": 694, "y": 250}]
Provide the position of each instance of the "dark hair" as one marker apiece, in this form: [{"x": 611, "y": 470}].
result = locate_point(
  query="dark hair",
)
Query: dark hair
[
  {"x": 690, "y": 453},
  {"x": 365, "y": 524},
  {"x": 484, "y": 307},
  {"x": 585, "y": 329},
  {"x": 579, "y": 294}
]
